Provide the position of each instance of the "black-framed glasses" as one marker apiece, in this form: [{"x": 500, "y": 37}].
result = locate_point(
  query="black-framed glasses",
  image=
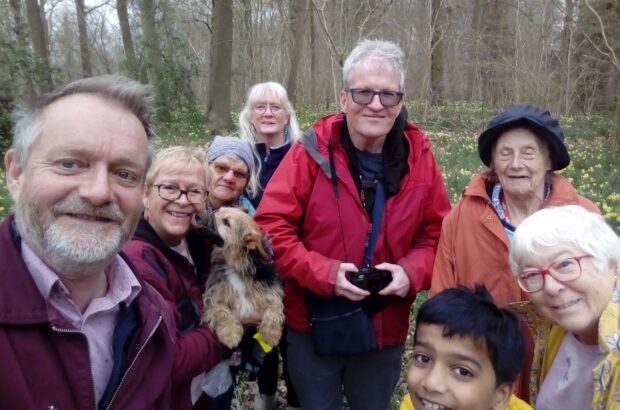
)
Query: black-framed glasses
[
  {"x": 564, "y": 270},
  {"x": 171, "y": 192},
  {"x": 223, "y": 169},
  {"x": 365, "y": 96},
  {"x": 262, "y": 108}
]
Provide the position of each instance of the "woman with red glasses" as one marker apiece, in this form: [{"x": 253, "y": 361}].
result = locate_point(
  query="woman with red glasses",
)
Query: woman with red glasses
[{"x": 567, "y": 259}]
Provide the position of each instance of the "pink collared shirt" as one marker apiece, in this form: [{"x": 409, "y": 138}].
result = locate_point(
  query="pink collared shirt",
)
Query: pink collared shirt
[{"x": 98, "y": 320}]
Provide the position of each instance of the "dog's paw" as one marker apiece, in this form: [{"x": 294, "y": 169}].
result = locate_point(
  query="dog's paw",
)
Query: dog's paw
[
  {"x": 229, "y": 338},
  {"x": 270, "y": 334}
]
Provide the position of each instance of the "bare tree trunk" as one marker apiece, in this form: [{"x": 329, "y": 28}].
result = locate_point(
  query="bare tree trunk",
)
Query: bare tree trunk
[
  {"x": 218, "y": 111},
  {"x": 249, "y": 42},
  {"x": 130, "y": 54},
  {"x": 616, "y": 132},
  {"x": 24, "y": 71},
  {"x": 297, "y": 17},
  {"x": 83, "y": 35},
  {"x": 313, "y": 56},
  {"x": 474, "y": 49},
  {"x": 152, "y": 56},
  {"x": 565, "y": 54},
  {"x": 151, "y": 52},
  {"x": 39, "y": 45},
  {"x": 437, "y": 29},
  {"x": 500, "y": 48}
]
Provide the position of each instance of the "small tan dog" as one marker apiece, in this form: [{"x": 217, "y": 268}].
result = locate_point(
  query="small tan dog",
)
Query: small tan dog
[{"x": 242, "y": 281}]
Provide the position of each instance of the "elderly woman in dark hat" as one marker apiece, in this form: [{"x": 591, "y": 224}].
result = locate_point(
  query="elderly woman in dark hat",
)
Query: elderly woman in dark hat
[{"x": 522, "y": 147}]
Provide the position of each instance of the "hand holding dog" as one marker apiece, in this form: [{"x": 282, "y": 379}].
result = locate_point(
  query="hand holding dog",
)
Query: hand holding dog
[
  {"x": 343, "y": 287},
  {"x": 399, "y": 285}
]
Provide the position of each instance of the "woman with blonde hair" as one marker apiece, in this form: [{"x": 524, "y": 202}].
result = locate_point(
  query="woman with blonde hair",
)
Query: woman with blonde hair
[{"x": 175, "y": 260}]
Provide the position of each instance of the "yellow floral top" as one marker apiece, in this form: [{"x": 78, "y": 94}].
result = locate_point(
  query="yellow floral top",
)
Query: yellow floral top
[
  {"x": 548, "y": 338},
  {"x": 514, "y": 404}
]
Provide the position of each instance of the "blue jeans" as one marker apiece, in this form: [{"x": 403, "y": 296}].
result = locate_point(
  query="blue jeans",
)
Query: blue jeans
[{"x": 368, "y": 380}]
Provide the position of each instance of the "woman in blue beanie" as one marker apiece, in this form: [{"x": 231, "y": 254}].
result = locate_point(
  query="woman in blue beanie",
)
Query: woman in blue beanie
[{"x": 233, "y": 171}]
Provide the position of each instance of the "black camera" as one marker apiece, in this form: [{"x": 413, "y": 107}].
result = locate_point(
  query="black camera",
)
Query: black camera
[{"x": 371, "y": 279}]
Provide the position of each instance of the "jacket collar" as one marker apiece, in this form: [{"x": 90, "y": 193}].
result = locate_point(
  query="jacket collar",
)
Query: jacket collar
[
  {"x": 198, "y": 248},
  {"x": 20, "y": 300},
  {"x": 316, "y": 140},
  {"x": 562, "y": 192},
  {"x": 395, "y": 152}
]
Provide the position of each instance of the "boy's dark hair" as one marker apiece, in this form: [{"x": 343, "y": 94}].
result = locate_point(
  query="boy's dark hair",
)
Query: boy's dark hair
[{"x": 468, "y": 313}]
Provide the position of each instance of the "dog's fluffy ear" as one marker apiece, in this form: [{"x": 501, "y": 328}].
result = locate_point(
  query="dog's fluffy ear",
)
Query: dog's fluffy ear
[{"x": 253, "y": 241}]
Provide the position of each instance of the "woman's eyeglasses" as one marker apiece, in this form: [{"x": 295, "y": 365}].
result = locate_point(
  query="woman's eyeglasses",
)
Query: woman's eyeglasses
[
  {"x": 565, "y": 270},
  {"x": 222, "y": 169},
  {"x": 171, "y": 192},
  {"x": 262, "y": 108},
  {"x": 364, "y": 96}
]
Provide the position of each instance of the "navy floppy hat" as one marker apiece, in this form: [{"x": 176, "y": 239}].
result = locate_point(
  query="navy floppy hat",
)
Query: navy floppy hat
[{"x": 538, "y": 121}]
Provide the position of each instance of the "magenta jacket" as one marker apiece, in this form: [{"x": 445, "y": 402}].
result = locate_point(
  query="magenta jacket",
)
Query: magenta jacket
[
  {"x": 299, "y": 212},
  {"x": 198, "y": 348},
  {"x": 45, "y": 364}
]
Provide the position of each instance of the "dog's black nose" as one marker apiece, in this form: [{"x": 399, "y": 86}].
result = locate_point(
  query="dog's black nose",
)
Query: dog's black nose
[{"x": 207, "y": 227}]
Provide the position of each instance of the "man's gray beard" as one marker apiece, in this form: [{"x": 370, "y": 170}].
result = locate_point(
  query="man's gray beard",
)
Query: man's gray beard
[
  {"x": 82, "y": 251},
  {"x": 73, "y": 254}
]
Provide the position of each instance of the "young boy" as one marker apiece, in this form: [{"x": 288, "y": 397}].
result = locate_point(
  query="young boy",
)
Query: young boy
[{"x": 467, "y": 353}]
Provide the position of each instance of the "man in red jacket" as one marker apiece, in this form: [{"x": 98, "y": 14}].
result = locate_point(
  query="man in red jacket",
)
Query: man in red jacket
[
  {"x": 78, "y": 330},
  {"x": 361, "y": 190}
]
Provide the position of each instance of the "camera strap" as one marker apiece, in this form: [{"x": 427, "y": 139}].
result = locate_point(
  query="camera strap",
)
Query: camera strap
[{"x": 377, "y": 216}]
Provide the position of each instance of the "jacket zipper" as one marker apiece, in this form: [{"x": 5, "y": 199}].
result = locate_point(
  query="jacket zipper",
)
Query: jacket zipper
[
  {"x": 135, "y": 359},
  {"x": 92, "y": 377}
]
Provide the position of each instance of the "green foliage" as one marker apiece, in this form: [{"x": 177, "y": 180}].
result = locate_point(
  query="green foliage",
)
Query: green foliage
[
  {"x": 6, "y": 105},
  {"x": 307, "y": 115},
  {"x": 184, "y": 126},
  {"x": 5, "y": 198}
]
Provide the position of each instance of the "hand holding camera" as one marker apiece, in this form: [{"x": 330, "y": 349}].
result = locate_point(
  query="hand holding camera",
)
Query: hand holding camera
[{"x": 371, "y": 279}]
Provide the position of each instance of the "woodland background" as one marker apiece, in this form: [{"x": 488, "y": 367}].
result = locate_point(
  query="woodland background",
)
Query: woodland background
[{"x": 203, "y": 55}]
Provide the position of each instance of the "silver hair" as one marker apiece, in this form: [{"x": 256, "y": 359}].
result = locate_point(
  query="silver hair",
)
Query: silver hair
[
  {"x": 127, "y": 93},
  {"x": 388, "y": 51},
  {"x": 571, "y": 225},
  {"x": 255, "y": 94}
]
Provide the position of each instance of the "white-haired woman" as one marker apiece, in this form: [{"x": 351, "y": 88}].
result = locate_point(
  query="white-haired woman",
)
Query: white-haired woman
[
  {"x": 269, "y": 123},
  {"x": 566, "y": 259}
]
